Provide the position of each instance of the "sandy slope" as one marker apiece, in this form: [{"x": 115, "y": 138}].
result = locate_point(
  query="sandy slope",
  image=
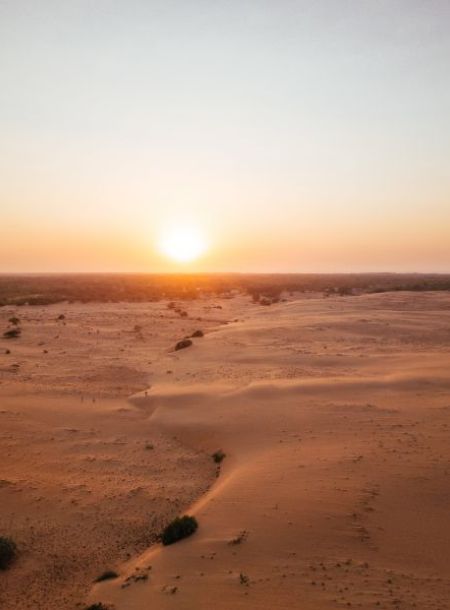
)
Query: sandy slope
[
  {"x": 85, "y": 481},
  {"x": 334, "y": 415}
]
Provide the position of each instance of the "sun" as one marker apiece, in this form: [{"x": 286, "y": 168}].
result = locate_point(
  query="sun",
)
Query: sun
[{"x": 182, "y": 244}]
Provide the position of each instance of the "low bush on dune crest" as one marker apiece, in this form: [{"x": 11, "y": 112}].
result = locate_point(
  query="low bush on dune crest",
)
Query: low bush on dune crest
[
  {"x": 108, "y": 575},
  {"x": 218, "y": 456},
  {"x": 8, "y": 551},
  {"x": 179, "y": 528}
]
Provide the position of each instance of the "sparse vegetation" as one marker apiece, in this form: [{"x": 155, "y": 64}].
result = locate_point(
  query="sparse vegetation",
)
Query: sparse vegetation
[
  {"x": 241, "y": 537},
  {"x": 61, "y": 317},
  {"x": 108, "y": 575},
  {"x": 183, "y": 344},
  {"x": 244, "y": 579},
  {"x": 197, "y": 334},
  {"x": 15, "y": 321},
  {"x": 97, "y": 606},
  {"x": 12, "y": 333},
  {"x": 44, "y": 290},
  {"x": 179, "y": 528},
  {"x": 218, "y": 456},
  {"x": 345, "y": 291},
  {"x": 8, "y": 551}
]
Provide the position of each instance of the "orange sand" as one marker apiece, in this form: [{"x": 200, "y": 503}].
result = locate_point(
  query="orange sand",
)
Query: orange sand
[{"x": 334, "y": 415}]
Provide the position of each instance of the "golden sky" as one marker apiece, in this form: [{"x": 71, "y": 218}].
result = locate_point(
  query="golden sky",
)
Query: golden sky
[{"x": 290, "y": 135}]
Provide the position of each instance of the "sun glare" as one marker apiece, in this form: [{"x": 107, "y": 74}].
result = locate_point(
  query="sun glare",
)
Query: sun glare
[{"x": 182, "y": 244}]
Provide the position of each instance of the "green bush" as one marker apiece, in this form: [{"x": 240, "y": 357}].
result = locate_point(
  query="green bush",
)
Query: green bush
[
  {"x": 179, "y": 528},
  {"x": 8, "y": 552}
]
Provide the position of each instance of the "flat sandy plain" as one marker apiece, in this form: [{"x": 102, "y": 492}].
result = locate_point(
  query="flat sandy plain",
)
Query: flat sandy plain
[{"x": 334, "y": 414}]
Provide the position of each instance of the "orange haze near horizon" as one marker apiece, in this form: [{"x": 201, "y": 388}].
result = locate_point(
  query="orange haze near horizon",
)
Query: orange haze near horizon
[{"x": 309, "y": 137}]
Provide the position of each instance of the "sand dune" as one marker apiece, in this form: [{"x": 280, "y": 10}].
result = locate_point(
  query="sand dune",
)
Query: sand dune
[
  {"x": 339, "y": 478},
  {"x": 334, "y": 417}
]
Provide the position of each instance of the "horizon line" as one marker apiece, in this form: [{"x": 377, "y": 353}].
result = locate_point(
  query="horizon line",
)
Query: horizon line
[{"x": 185, "y": 272}]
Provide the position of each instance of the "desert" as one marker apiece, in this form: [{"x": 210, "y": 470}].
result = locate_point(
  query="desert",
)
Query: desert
[
  {"x": 224, "y": 305},
  {"x": 331, "y": 416}
]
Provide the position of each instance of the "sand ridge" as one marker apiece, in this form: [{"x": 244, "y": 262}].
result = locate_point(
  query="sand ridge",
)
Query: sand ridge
[{"x": 84, "y": 482}]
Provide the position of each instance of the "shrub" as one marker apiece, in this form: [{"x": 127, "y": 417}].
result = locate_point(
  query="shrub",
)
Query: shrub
[
  {"x": 61, "y": 316},
  {"x": 8, "y": 552},
  {"x": 241, "y": 537},
  {"x": 244, "y": 579},
  {"x": 218, "y": 456},
  {"x": 108, "y": 575},
  {"x": 197, "y": 333},
  {"x": 183, "y": 344},
  {"x": 14, "y": 320},
  {"x": 179, "y": 528},
  {"x": 98, "y": 606},
  {"x": 12, "y": 333}
]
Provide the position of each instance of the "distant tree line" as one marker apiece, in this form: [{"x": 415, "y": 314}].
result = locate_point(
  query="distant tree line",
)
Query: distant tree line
[{"x": 262, "y": 288}]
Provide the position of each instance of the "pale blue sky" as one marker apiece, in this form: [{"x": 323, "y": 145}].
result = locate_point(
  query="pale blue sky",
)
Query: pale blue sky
[{"x": 309, "y": 136}]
